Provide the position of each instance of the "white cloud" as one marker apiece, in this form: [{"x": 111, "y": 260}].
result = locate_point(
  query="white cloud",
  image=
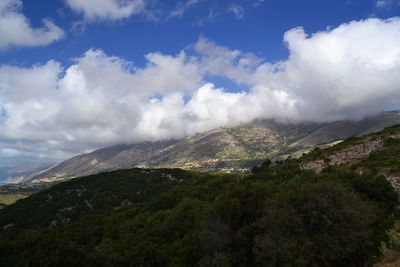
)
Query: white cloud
[
  {"x": 345, "y": 73},
  {"x": 93, "y": 10},
  {"x": 348, "y": 72},
  {"x": 15, "y": 29},
  {"x": 100, "y": 100},
  {"x": 237, "y": 11},
  {"x": 182, "y": 7},
  {"x": 222, "y": 61},
  {"x": 112, "y": 10}
]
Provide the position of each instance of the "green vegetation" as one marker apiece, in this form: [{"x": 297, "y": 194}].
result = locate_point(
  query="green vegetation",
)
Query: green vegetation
[
  {"x": 279, "y": 215},
  {"x": 8, "y": 199},
  {"x": 11, "y": 193}
]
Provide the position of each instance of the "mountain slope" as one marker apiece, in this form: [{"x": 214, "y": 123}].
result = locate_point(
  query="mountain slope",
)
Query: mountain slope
[
  {"x": 18, "y": 173},
  {"x": 225, "y": 149},
  {"x": 106, "y": 159},
  {"x": 238, "y": 148}
]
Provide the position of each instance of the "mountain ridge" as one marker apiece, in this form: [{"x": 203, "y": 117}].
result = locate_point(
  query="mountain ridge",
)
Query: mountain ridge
[
  {"x": 234, "y": 149},
  {"x": 100, "y": 160}
]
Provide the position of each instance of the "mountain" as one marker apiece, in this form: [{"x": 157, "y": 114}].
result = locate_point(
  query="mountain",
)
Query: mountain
[
  {"x": 105, "y": 159},
  {"x": 238, "y": 148},
  {"x": 16, "y": 174},
  {"x": 234, "y": 149},
  {"x": 337, "y": 201}
]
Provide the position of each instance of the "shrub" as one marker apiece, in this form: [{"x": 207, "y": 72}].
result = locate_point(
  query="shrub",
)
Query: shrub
[{"x": 317, "y": 224}]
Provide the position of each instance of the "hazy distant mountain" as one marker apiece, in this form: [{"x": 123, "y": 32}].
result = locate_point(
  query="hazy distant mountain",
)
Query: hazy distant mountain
[
  {"x": 16, "y": 174},
  {"x": 105, "y": 159},
  {"x": 224, "y": 149}
]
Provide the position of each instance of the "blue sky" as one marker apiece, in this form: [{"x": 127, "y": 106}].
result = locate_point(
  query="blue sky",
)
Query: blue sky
[
  {"x": 76, "y": 75},
  {"x": 259, "y": 29}
]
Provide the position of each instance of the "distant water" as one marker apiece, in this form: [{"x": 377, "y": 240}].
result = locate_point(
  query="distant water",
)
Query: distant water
[{"x": 1, "y": 183}]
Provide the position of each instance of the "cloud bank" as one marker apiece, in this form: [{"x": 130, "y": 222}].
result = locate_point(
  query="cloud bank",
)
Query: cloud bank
[
  {"x": 49, "y": 110},
  {"x": 15, "y": 29}
]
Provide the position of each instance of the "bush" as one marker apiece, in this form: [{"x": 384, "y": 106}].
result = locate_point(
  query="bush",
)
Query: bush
[{"x": 318, "y": 224}]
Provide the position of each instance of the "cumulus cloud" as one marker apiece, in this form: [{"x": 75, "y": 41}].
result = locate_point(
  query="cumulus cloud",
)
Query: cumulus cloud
[
  {"x": 93, "y": 10},
  {"x": 15, "y": 29},
  {"x": 222, "y": 61},
  {"x": 99, "y": 100},
  {"x": 347, "y": 72}
]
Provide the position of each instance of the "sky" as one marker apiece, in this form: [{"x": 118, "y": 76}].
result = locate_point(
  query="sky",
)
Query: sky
[{"x": 77, "y": 75}]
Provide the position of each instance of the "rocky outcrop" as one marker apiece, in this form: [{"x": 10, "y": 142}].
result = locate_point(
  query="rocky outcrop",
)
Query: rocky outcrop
[
  {"x": 316, "y": 165},
  {"x": 345, "y": 156},
  {"x": 351, "y": 155},
  {"x": 395, "y": 181}
]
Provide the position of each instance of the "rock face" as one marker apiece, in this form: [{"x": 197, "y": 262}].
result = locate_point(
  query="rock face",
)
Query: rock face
[
  {"x": 345, "y": 156},
  {"x": 224, "y": 149},
  {"x": 381, "y": 148}
]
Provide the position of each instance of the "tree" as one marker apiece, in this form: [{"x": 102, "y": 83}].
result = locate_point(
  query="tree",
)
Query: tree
[{"x": 317, "y": 224}]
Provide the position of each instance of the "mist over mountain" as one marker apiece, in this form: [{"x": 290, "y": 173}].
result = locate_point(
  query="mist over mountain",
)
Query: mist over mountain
[{"x": 224, "y": 149}]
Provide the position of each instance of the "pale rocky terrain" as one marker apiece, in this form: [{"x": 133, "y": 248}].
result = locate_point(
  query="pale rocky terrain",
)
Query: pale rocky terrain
[
  {"x": 351, "y": 155},
  {"x": 345, "y": 156}
]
